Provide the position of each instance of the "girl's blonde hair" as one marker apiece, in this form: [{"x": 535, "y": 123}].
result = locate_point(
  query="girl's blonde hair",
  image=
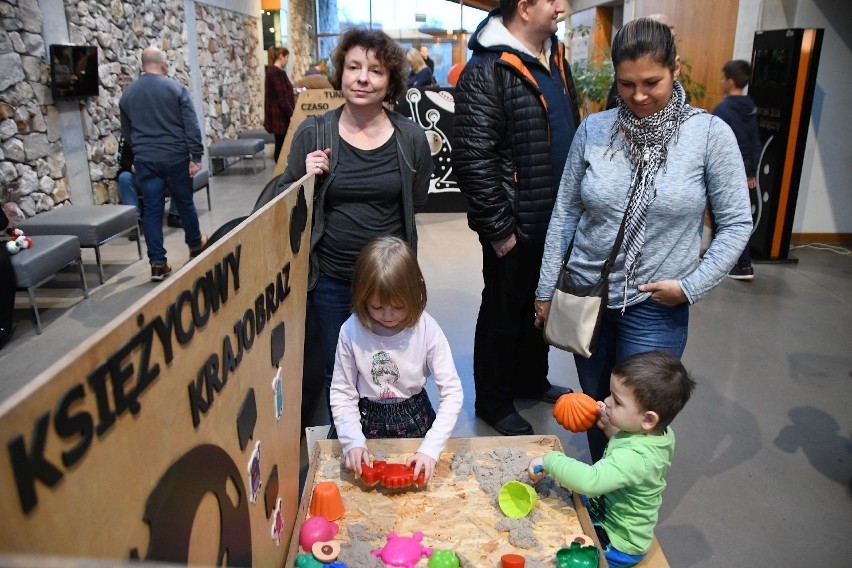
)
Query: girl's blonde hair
[{"x": 387, "y": 270}]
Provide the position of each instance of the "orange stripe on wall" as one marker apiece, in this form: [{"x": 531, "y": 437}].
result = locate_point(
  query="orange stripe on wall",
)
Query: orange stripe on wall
[{"x": 795, "y": 124}]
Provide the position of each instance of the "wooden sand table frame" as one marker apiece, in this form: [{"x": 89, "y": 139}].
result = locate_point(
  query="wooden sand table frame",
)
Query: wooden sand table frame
[{"x": 457, "y": 510}]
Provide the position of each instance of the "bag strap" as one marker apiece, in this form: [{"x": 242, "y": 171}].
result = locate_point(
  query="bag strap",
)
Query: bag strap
[{"x": 320, "y": 122}]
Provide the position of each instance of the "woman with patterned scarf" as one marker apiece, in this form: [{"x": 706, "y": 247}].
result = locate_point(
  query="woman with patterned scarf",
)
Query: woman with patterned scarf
[{"x": 660, "y": 161}]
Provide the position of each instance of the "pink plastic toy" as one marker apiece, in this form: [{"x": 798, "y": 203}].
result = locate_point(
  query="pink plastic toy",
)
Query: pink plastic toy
[
  {"x": 403, "y": 551},
  {"x": 316, "y": 529}
]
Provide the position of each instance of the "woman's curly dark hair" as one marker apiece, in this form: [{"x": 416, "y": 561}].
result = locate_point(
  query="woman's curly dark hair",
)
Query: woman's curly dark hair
[{"x": 389, "y": 53}]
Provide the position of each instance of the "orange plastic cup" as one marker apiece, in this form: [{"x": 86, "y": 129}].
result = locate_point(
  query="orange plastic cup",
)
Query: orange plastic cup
[
  {"x": 513, "y": 561},
  {"x": 326, "y": 501}
]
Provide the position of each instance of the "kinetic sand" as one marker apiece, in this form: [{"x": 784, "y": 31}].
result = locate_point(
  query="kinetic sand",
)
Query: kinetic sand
[{"x": 458, "y": 508}]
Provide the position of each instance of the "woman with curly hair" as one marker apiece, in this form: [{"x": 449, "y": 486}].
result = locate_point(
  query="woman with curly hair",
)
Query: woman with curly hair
[{"x": 373, "y": 167}]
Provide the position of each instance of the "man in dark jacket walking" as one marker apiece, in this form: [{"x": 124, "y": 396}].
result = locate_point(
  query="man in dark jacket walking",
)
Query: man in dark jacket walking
[{"x": 516, "y": 114}]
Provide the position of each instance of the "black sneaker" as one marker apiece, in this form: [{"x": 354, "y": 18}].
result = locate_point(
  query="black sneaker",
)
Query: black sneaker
[
  {"x": 741, "y": 272},
  {"x": 174, "y": 221},
  {"x": 513, "y": 424},
  {"x": 160, "y": 271}
]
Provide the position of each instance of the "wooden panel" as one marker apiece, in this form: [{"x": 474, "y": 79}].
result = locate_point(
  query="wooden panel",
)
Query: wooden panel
[
  {"x": 308, "y": 103},
  {"x": 705, "y": 37},
  {"x": 138, "y": 444},
  {"x": 453, "y": 511}
]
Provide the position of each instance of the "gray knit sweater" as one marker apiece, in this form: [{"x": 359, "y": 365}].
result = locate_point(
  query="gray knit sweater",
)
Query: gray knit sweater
[
  {"x": 158, "y": 118},
  {"x": 704, "y": 167}
]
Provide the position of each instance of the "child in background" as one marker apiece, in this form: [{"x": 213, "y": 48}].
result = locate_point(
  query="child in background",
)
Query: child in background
[
  {"x": 386, "y": 351},
  {"x": 647, "y": 390},
  {"x": 740, "y": 113}
]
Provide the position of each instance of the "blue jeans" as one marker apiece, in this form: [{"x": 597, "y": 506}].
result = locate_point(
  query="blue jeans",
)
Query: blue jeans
[
  {"x": 330, "y": 303},
  {"x": 643, "y": 327},
  {"x": 154, "y": 178},
  {"x": 129, "y": 196}
]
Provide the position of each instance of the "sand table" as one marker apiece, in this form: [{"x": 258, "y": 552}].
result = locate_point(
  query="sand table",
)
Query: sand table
[{"x": 457, "y": 510}]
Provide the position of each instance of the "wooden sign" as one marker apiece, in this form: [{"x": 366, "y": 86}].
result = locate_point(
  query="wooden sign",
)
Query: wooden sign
[
  {"x": 308, "y": 103},
  {"x": 434, "y": 109},
  {"x": 173, "y": 433}
]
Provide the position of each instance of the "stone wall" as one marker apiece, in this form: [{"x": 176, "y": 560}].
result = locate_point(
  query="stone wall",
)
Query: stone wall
[
  {"x": 33, "y": 170},
  {"x": 300, "y": 34},
  {"x": 32, "y": 166},
  {"x": 230, "y": 71}
]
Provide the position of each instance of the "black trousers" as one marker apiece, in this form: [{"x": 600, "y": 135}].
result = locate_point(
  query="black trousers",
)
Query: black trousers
[
  {"x": 509, "y": 352},
  {"x": 7, "y": 287},
  {"x": 279, "y": 143}
]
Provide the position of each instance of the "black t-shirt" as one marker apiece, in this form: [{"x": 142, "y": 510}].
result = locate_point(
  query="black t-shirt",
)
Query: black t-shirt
[{"x": 364, "y": 201}]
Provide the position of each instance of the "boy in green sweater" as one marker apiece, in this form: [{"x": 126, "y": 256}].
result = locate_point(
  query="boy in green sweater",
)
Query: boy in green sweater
[{"x": 625, "y": 487}]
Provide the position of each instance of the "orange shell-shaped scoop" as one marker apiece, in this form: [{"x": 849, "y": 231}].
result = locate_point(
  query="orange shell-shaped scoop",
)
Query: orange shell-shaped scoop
[
  {"x": 576, "y": 411},
  {"x": 326, "y": 501}
]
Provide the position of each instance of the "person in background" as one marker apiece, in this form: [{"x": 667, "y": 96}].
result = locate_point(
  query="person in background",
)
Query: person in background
[
  {"x": 279, "y": 100},
  {"x": 421, "y": 75},
  {"x": 387, "y": 350},
  {"x": 372, "y": 175},
  {"x": 516, "y": 113},
  {"x": 158, "y": 118},
  {"x": 625, "y": 488},
  {"x": 662, "y": 161},
  {"x": 8, "y": 284},
  {"x": 430, "y": 63},
  {"x": 128, "y": 192},
  {"x": 740, "y": 112},
  {"x": 318, "y": 68}
]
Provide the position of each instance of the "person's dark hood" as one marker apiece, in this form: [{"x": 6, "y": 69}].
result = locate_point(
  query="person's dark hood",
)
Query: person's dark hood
[{"x": 744, "y": 106}]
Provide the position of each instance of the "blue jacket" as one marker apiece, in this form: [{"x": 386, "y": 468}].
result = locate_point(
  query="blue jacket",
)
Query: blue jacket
[{"x": 740, "y": 112}]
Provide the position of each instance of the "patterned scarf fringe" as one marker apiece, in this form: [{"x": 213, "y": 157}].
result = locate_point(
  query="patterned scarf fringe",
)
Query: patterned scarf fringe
[{"x": 645, "y": 141}]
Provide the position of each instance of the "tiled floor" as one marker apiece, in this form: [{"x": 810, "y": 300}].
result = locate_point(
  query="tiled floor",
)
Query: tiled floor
[{"x": 762, "y": 475}]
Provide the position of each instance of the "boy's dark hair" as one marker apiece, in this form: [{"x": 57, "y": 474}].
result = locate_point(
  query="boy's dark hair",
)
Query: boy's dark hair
[
  {"x": 659, "y": 382},
  {"x": 389, "y": 53},
  {"x": 738, "y": 71}
]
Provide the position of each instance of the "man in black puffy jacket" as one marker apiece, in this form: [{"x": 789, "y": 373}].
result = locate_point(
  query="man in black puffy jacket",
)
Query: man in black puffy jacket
[{"x": 516, "y": 114}]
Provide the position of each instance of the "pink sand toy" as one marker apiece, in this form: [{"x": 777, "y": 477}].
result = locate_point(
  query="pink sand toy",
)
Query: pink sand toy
[
  {"x": 403, "y": 551},
  {"x": 316, "y": 529}
]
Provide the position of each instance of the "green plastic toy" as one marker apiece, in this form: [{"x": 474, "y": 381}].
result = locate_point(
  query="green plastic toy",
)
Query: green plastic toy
[
  {"x": 308, "y": 561},
  {"x": 443, "y": 558},
  {"x": 577, "y": 556}
]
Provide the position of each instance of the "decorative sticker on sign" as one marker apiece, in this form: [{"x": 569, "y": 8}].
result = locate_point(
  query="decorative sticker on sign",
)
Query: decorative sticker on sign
[
  {"x": 278, "y": 389},
  {"x": 277, "y": 523},
  {"x": 254, "y": 473}
]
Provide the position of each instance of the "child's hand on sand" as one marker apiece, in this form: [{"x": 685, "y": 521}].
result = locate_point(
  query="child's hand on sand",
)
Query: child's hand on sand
[
  {"x": 536, "y": 469},
  {"x": 419, "y": 460},
  {"x": 357, "y": 456}
]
